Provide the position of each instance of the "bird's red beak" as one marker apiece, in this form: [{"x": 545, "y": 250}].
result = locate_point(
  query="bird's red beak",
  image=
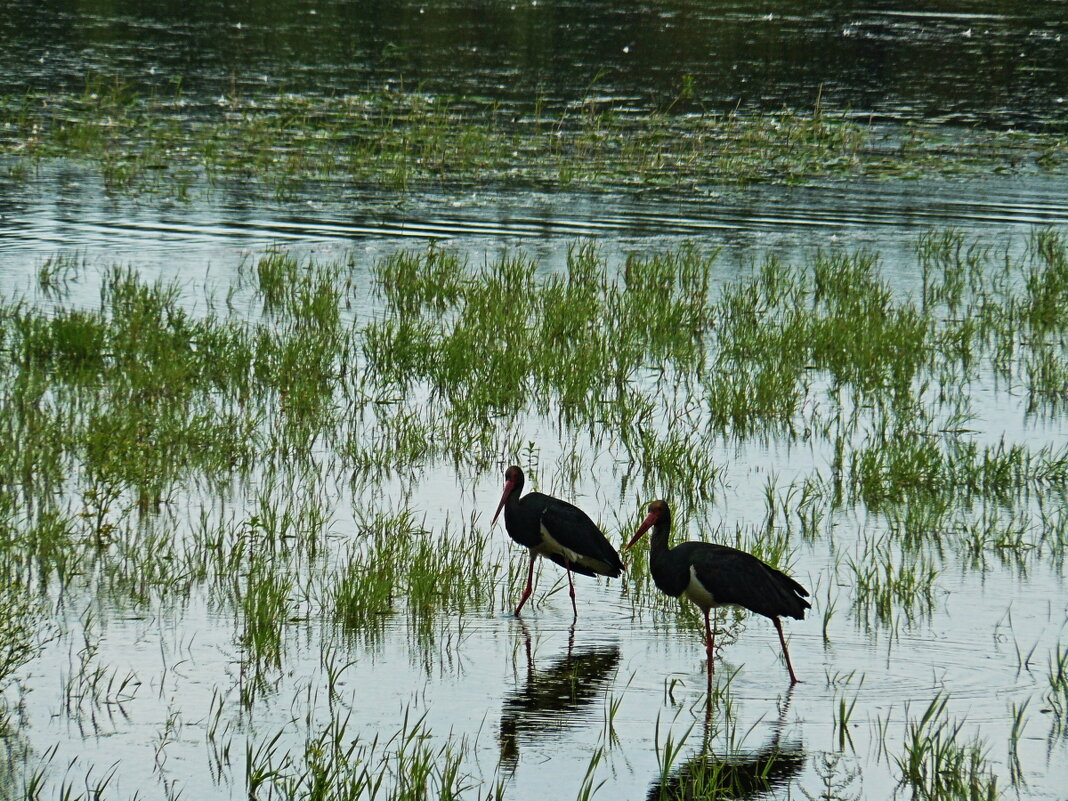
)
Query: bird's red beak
[
  {"x": 508, "y": 487},
  {"x": 645, "y": 526}
]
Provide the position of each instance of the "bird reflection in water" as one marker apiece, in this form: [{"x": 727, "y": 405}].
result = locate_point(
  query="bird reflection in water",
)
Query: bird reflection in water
[
  {"x": 740, "y": 774},
  {"x": 553, "y": 697}
]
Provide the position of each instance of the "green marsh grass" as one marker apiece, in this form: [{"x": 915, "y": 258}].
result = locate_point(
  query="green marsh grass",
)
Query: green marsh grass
[
  {"x": 89, "y": 687},
  {"x": 1057, "y": 695},
  {"x": 668, "y": 751},
  {"x": 263, "y": 598},
  {"x": 20, "y": 622},
  {"x": 363, "y": 594},
  {"x": 398, "y": 565},
  {"x": 657, "y": 310},
  {"x": 406, "y": 140},
  {"x": 910, "y": 464},
  {"x": 892, "y": 585},
  {"x": 1019, "y": 722},
  {"x": 843, "y": 716},
  {"x": 338, "y": 763},
  {"x": 734, "y": 775},
  {"x": 164, "y": 451},
  {"x": 1046, "y": 283},
  {"x": 940, "y": 763},
  {"x": 836, "y": 316},
  {"x": 443, "y": 578},
  {"x": 96, "y": 786},
  {"x": 723, "y": 765}
]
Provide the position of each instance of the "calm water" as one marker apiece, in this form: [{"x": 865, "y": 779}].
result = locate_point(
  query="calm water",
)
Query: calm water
[{"x": 502, "y": 686}]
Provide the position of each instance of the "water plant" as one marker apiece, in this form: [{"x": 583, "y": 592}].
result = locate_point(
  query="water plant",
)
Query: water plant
[
  {"x": 940, "y": 763},
  {"x": 336, "y": 763},
  {"x": 891, "y": 585},
  {"x": 19, "y": 621},
  {"x": 1057, "y": 695},
  {"x": 1019, "y": 722},
  {"x": 405, "y": 139},
  {"x": 270, "y": 460},
  {"x": 843, "y": 715}
]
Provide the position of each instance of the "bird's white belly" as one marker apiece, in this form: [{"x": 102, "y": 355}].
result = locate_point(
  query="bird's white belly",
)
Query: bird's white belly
[
  {"x": 549, "y": 545},
  {"x": 697, "y": 593}
]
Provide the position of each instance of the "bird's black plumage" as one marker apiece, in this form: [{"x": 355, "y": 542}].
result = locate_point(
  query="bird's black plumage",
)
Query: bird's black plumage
[
  {"x": 731, "y": 577},
  {"x": 557, "y": 530},
  {"x": 714, "y": 575}
]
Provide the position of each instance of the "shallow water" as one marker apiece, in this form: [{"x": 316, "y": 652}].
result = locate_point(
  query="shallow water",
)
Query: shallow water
[
  {"x": 530, "y": 702},
  {"x": 485, "y": 679},
  {"x": 67, "y": 211}
]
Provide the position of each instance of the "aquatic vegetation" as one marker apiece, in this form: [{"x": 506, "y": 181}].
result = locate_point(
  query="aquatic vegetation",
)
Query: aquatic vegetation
[
  {"x": 1057, "y": 695},
  {"x": 842, "y": 717},
  {"x": 740, "y": 775},
  {"x": 263, "y": 599},
  {"x": 889, "y": 584},
  {"x": 363, "y": 593},
  {"x": 1046, "y": 283},
  {"x": 90, "y": 687},
  {"x": 940, "y": 763},
  {"x": 337, "y": 763},
  {"x": 403, "y": 139},
  {"x": 245, "y": 494},
  {"x": 19, "y": 619},
  {"x": 270, "y": 460}
]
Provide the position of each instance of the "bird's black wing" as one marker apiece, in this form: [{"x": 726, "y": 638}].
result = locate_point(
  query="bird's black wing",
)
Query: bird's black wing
[
  {"x": 737, "y": 577},
  {"x": 574, "y": 529}
]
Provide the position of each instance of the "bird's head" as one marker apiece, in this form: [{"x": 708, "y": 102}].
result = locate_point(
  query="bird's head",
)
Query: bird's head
[
  {"x": 513, "y": 482},
  {"x": 658, "y": 510}
]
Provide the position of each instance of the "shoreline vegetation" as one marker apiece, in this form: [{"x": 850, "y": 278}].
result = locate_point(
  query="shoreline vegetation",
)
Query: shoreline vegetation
[{"x": 403, "y": 140}]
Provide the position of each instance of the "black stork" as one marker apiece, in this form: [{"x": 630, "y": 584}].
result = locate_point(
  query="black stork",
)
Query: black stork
[
  {"x": 555, "y": 529},
  {"x": 713, "y": 575}
]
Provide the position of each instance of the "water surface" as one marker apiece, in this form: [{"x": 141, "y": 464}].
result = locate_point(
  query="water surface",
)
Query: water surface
[{"x": 542, "y": 702}]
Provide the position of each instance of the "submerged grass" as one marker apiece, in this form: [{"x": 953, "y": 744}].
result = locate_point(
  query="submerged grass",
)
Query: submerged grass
[
  {"x": 404, "y": 139},
  {"x": 889, "y": 584},
  {"x": 398, "y": 563},
  {"x": 20, "y": 620}
]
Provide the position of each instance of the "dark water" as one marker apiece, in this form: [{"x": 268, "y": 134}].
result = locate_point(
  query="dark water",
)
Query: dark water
[
  {"x": 1000, "y": 64},
  {"x": 532, "y": 700}
]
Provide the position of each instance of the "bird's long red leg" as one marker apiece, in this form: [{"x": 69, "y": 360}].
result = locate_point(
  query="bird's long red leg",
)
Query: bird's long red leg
[
  {"x": 530, "y": 584},
  {"x": 785, "y": 650},
  {"x": 710, "y": 642},
  {"x": 571, "y": 586}
]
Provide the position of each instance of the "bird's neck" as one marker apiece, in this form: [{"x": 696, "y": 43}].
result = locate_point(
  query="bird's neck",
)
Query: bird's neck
[
  {"x": 658, "y": 544},
  {"x": 513, "y": 496}
]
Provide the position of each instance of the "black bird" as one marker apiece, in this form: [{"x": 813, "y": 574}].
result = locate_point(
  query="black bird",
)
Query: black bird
[
  {"x": 556, "y": 529},
  {"x": 717, "y": 575}
]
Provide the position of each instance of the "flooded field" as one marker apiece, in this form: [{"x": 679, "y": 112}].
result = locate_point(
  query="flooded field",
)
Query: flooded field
[{"x": 263, "y": 371}]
